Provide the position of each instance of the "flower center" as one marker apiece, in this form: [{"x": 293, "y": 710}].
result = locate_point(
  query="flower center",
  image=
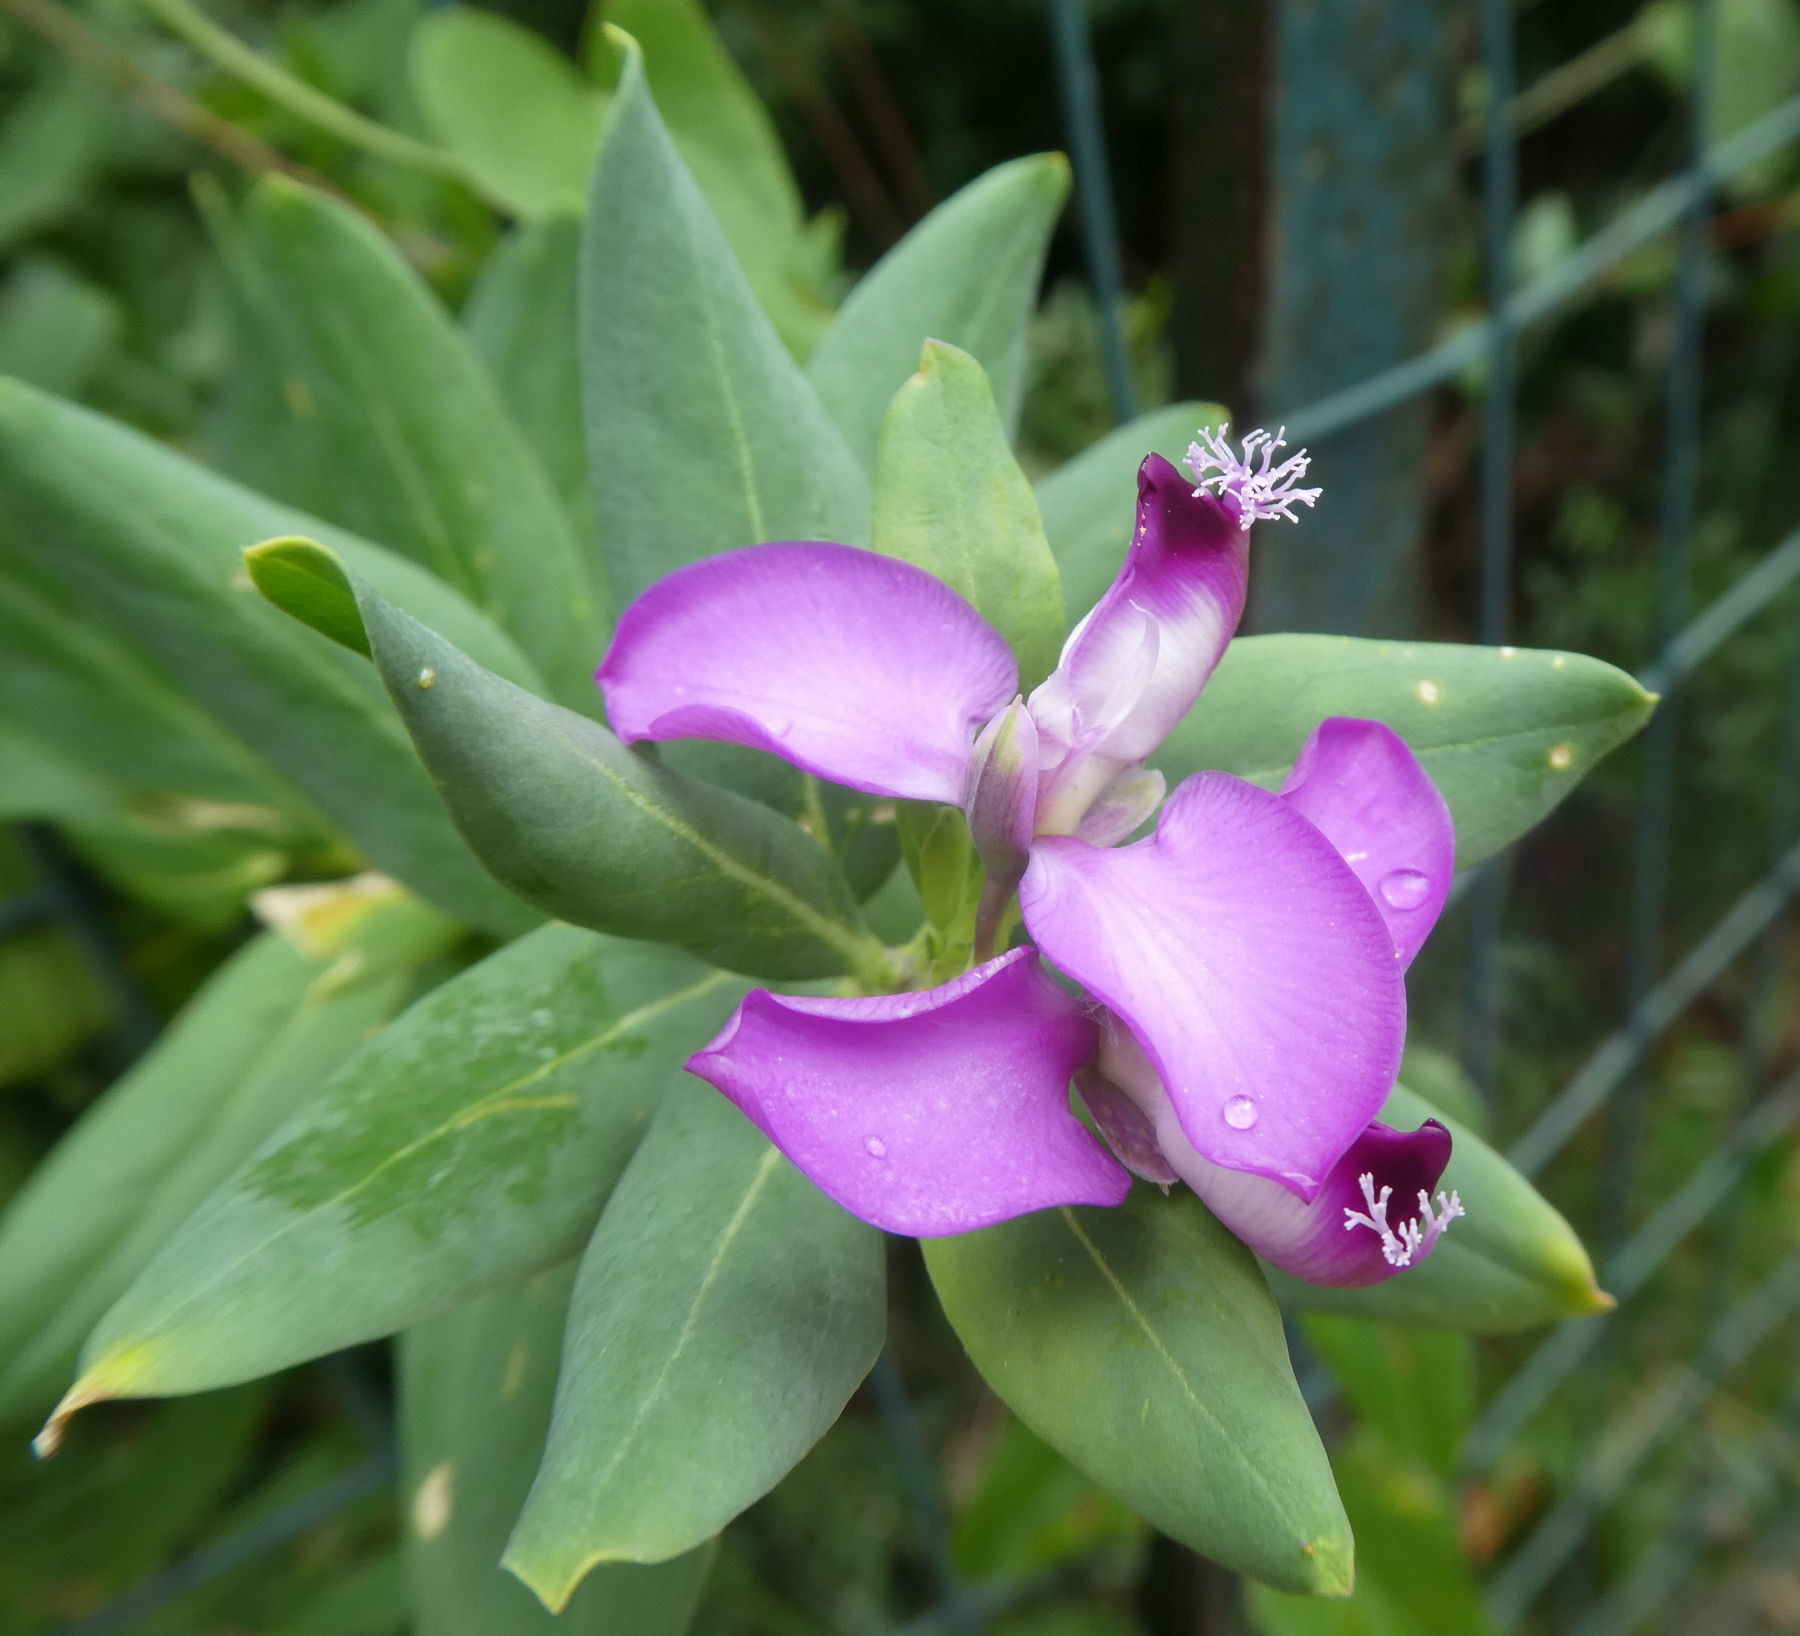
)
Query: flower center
[
  {"x": 1262, "y": 490},
  {"x": 1413, "y": 1239}
]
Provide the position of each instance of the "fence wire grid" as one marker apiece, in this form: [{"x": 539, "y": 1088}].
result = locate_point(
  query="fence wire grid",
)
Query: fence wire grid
[{"x": 1612, "y": 1085}]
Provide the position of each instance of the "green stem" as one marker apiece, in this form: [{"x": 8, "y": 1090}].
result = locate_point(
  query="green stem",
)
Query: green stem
[{"x": 229, "y": 53}]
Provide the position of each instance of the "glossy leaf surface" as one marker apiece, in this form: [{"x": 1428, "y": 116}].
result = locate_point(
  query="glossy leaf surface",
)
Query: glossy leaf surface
[
  {"x": 703, "y": 434},
  {"x": 1510, "y": 1263},
  {"x": 1143, "y": 1344},
  {"x": 475, "y": 1392},
  {"x": 724, "y": 1313},
  {"x": 950, "y": 497},
  {"x": 471, "y": 1142},
  {"x": 967, "y": 274},
  {"x": 1505, "y": 733}
]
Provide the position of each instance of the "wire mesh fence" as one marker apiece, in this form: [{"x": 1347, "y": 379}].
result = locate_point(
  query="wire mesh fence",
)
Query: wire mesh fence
[{"x": 1615, "y": 1085}]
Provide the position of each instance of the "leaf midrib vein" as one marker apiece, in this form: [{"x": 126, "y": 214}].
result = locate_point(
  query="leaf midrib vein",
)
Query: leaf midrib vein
[{"x": 464, "y": 1115}]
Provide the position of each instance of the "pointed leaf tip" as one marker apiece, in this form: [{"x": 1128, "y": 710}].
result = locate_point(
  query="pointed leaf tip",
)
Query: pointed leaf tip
[{"x": 309, "y": 583}]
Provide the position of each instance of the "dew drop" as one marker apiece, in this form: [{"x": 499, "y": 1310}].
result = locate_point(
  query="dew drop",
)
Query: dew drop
[
  {"x": 1405, "y": 888},
  {"x": 427, "y": 677},
  {"x": 875, "y": 1147},
  {"x": 1240, "y": 1113}
]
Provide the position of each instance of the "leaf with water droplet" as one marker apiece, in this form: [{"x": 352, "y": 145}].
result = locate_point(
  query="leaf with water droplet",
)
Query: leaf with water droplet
[
  {"x": 1504, "y": 739},
  {"x": 445, "y": 1156}
]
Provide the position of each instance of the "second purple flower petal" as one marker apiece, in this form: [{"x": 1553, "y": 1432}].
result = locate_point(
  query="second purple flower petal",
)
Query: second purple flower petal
[
  {"x": 924, "y": 1113},
  {"x": 1242, "y": 952}
]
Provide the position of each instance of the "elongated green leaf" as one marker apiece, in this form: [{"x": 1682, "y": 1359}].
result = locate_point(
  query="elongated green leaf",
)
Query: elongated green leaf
[
  {"x": 520, "y": 318},
  {"x": 125, "y": 558},
  {"x": 512, "y": 108},
  {"x": 950, "y": 497},
  {"x": 1510, "y": 1263},
  {"x": 703, "y": 434},
  {"x": 727, "y": 140},
  {"x": 472, "y": 1141},
  {"x": 592, "y": 832},
  {"x": 724, "y": 1313},
  {"x": 475, "y": 1393},
  {"x": 255, "y": 1044},
  {"x": 967, "y": 274},
  {"x": 1505, "y": 733},
  {"x": 1090, "y": 503},
  {"x": 1143, "y": 1344},
  {"x": 423, "y": 454}
]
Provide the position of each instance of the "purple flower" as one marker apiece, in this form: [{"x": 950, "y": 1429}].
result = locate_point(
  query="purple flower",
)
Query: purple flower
[{"x": 1243, "y": 966}]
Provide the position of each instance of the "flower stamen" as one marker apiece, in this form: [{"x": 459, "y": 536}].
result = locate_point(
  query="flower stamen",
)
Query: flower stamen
[
  {"x": 1262, "y": 490},
  {"x": 1413, "y": 1239}
]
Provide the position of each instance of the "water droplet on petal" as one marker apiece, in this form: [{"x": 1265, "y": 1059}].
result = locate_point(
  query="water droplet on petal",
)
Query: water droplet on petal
[
  {"x": 875, "y": 1147},
  {"x": 1240, "y": 1113},
  {"x": 1405, "y": 888}
]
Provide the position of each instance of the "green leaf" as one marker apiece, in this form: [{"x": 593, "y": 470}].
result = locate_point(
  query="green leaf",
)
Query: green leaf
[
  {"x": 519, "y": 318},
  {"x": 56, "y": 328},
  {"x": 1090, "y": 503},
  {"x": 1413, "y": 1576},
  {"x": 727, "y": 140},
  {"x": 1033, "y": 1510},
  {"x": 472, "y": 1141},
  {"x": 253, "y": 1045},
  {"x": 1142, "y": 1343},
  {"x": 967, "y": 274},
  {"x": 53, "y": 141},
  {"x": 1510, "y": 1263},
  {"x": 423, "y": 454},
  {"x": 1414, "y": 1388},
  {"x": 1505, "y": 733},
  {"x": 606, "y": 837},
  {"x": 703, "y": 434},
  {"x": 724, "y": 1313},
  {"x": 475, "y": 1393},
  {"x": 125, "y": 559},
  {"x": 950, "y": 497},
  {"x": 509, "y": 106}
]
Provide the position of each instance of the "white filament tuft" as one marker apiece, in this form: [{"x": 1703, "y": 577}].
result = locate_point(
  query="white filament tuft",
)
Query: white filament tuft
[
  {"x": 1413, "y": 1239},
  {"x": 1262, "y": 490}
]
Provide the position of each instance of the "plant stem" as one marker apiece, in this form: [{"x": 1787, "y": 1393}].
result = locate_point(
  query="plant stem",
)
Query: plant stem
[
  {"x": 100, "y": 57},
  {"x": 225, "y": 51}
]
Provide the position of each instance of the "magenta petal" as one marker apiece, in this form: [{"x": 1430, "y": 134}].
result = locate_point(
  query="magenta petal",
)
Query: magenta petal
[
  {"x": 924, "y": 1113},
  {"x": 1247, "y": 958},
  {"x": 1318, "y": 1242},
  {"x": 1365, "y": 791},
  {"x": 1135, "y": 665},
  {"x": 857, "y": 667}
]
